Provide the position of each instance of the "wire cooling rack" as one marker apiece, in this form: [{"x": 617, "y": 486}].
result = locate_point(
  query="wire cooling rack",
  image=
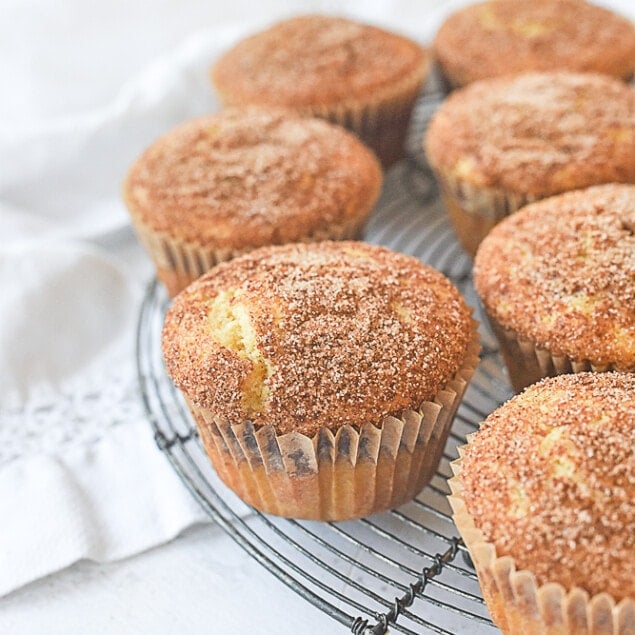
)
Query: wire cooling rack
[{"x": 404, "y": 570}]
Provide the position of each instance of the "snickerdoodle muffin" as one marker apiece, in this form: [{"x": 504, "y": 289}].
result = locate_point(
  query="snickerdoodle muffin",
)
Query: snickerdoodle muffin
[
  {"x": 499, "y": 144},
  {"x": 323, "y": 377},
  {"x": 505, "y": 37},
  {"x": 357, "y": 75},
  {"x": 544, "y": 498},
  {"x": 557, "y": 280},
  {"x": 223, "y": 184}
]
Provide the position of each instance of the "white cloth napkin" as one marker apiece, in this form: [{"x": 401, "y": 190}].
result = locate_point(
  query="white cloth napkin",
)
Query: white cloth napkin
[
  {"x": 80, "y": 475},
  {"x": 85, "y": 87}
]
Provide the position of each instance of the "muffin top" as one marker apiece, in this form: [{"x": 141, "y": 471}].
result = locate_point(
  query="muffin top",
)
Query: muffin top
[
  {"x": 561, "y": 272},
  {"x": 305, "y": 336},
  {"x": 502, "y": 37},
  {"x": 537, "y": 134},
  {"x": 550, "y": 480},
  {"x": 314, "y": 60},
  {"x": 251, "y": 176}
]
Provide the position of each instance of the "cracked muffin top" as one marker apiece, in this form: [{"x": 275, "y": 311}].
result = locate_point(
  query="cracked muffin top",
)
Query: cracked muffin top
[
  {"x": 561, "y": 272},
  {"x": 536, "y": 134},
  {"x": 306, "y": 336},
  {"x": 549, "y": 479}
]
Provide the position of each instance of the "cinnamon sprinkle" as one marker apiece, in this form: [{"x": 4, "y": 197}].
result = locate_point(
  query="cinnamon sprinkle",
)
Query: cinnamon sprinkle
[
  {"x": 550, "y": 479},
  {"x": 314, "y": 60},
  {"x": 561, "y": 272},
  {"x": 538, "y": 134},
  {"x": 500, "y": 37},
  {"x": 248, "y": 177},
  {"x": 349, "y": 333}
]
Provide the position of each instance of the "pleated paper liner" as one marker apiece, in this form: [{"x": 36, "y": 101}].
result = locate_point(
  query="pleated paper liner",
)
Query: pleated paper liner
[
  {"x": 341, "y": 476},
  {"x": 178, "y": 263},
  {"x": 527, "y": 362},
  {"x": 448, "y": 80},
  {"x": 381, "y": 122},
  {"x": 474, "y": 210},
  {"x": 519, "y": 605}
]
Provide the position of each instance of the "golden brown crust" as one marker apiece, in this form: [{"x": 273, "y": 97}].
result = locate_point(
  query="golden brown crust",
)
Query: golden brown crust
[
  {"x": 248, "y": 177},
  {"x": 561, "y": 273},
  {"x": 502, "y": 37},
  {"x": 313, "y": 61},
  {"x": 550, "y": 480},
  {"x": 338, "y": 333},
  {"x": 537, "y": 134}
]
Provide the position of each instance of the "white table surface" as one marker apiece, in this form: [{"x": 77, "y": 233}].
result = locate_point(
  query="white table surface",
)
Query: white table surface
[{"x": 201, "y": 582}]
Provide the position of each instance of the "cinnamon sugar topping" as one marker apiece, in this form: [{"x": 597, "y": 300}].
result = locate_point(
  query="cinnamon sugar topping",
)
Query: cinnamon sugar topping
[
  {"x": 249, "y": 176},
  {"x": 306, "y": 336},
  {"x": 537, "y": 134},
  {"x": 314, "y": 60},
  {"x": 502, "y": 37},
  {"x": 550, "y": 480},
  {"x": 561, "y": 272}
]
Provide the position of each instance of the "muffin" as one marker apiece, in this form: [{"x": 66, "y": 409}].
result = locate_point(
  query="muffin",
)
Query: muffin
[
  {"x": 557, "y": 281},
  {"x": 359, "y": 76},
  {"x": 506, "y": 37},
  {"x": 323, "y": 378},
  {"x": 499, "y": 144},
  {"x": 544, "y": 498},
  {"x": 224, "y": 184}
]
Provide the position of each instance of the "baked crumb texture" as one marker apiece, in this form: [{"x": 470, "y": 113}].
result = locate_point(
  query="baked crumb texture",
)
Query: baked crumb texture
[
  {"x": 544, "y": 498},
  {"x": 503, "y": 37},
  {"x": 224, "y": 184},
  {"x": 557, "y": 280},
  {"x": 357, "y": 75},
  {"x": 323, "y": 378},
  {"x": 499, "y": 144}
]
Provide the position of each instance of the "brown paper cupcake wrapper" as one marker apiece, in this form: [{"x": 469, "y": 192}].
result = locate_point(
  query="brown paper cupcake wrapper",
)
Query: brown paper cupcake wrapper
[
  {"x": 527, "y": 362},
  {"x": 448, "y": 80},
  {"x": 178, "y": 263},
  {"x": 338, "y": 476},
  {"x": 382, "y": 123},
  {"x": 474, "y": 210},
  {"x": 518, "y": 604}
]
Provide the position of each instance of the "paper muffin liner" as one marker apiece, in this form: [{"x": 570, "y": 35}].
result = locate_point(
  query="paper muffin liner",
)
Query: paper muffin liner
[
  {"x": 335, "y": 476},
  {"x": 527, "y": 362},
  {"x": 382, "y": 121},
  {"x": 521, "y": 606},
  {"x": 178, "y": 263},
  {"x": 449, "y": 81},
  {"x": 474, "y": 210}
]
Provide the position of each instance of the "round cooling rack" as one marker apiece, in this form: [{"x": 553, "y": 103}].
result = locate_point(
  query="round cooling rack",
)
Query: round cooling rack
[{"x": 404, "y": 570}]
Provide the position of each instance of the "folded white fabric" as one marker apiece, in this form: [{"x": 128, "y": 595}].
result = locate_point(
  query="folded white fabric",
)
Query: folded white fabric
[
  {"x": 64, "y": 307},
  {"x": 80, "y": 475},
  {"x": 101, "y": 501}
]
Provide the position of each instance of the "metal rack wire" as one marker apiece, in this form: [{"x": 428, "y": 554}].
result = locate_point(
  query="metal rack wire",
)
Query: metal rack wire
[{"x": 405, "y": 570}]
